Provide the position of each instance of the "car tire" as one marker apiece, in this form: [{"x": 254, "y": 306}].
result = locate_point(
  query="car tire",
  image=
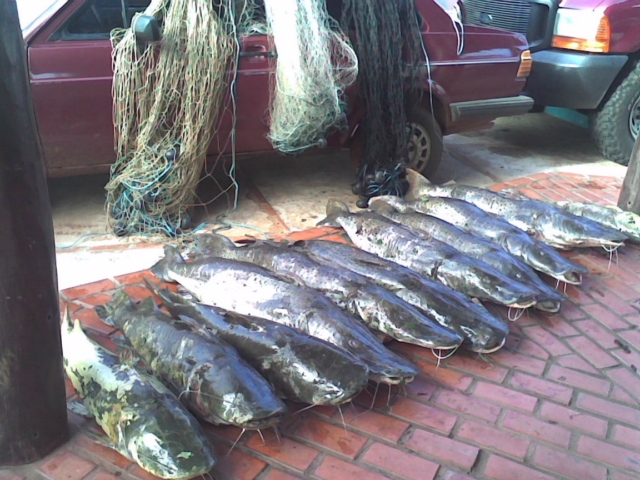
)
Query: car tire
[
  {"x": 425, "y": 142},
  {"x": 612, "y": 124}
]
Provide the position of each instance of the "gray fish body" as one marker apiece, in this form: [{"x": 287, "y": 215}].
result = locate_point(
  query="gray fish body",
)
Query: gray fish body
[
  {"x": 301, "y": 368},
  {"x": 482, "y": 332},
  {"x": 471, "y": 245},
  {"x": 141, "y": 417},
  {"x": 627, "y": 223},
  {"x": 251, "y": 290},
  {"x": 377, "y": 307},
  {"x": 210, "y": 377},
  {"x": 555, "y": 227},
  {"x": 429, "y": 257},
  {"x": 476, "y": 221}
]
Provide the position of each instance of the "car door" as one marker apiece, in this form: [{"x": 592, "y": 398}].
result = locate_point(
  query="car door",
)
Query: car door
[{"x": 71, "y": 78}]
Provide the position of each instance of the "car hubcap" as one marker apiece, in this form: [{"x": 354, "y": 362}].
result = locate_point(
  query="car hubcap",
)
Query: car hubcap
[
  {"x": 419, "y": 147},
  {"x": 634, "y": 119}
]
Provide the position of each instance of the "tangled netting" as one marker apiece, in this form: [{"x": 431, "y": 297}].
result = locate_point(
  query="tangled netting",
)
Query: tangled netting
[
  {"x": 316, "y": 63},
  {"x": 391, "y": 58},
  {"x": 166, "y": 102}
]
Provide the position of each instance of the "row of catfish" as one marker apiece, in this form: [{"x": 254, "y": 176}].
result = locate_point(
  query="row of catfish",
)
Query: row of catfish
[{"x": 270, "y": 321}]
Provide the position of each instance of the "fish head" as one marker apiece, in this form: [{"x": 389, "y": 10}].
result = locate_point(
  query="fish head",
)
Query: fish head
[
  {"x": 565, "y": 230},
  {"x": 170, "y": 445},
  {"x": 545, "y": 259},
  {"x": 212, "y": 244},
  {"x": 485, "y": 337}
]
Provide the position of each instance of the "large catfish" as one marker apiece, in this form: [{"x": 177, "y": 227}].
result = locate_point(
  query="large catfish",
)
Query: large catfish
[{"x": 251, "y": 290}]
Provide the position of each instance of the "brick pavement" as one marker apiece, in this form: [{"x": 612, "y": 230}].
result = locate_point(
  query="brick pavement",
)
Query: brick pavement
[{"x": 560, "y": 400}]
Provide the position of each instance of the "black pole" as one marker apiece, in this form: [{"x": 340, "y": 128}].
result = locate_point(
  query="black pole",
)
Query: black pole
[
  {"x": 629, "y": 199},
  {"x": 33, "y": 417}
]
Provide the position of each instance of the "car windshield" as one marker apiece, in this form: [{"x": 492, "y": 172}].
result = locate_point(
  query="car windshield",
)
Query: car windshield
[{"x": 30, "y": 10}]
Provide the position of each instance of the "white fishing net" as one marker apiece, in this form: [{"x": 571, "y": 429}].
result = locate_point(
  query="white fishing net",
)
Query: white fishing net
[{"x": 316, "y": 63}]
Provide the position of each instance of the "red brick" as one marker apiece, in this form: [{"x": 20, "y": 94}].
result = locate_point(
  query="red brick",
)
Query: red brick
[
  {"x": 451, "y": 475},
  {"x": 140, "y": 474},
  {"x": 477, "y": 367},
  {"x": 424, "y": 415},
  {"x": 631, "y": 358},
  {"x": 633, "y": 339},
  {"x": 89, "y": 289},
  {"x": 579, "y": 380},
  {"x": 8, "y": 475},
  {"x": 621, "y": 396},
  {"x": 444, "y": 376},
  {"x": 592, "y": 352},
  {"x": 331, "y": 437},
  {"x": 90, "y": 320},
  {"x": 532, "y": 349},
  {"x": 504, "y": 396},
  {"x": 236, "y": 465},
  {"x": 608, "y": 409},
  {"x": 283, "y": 450},
  {"x": 573, "y": 419},
  {"x": 561, "y": 328},
  {"x": 626, "y": 379},
  {"x": 568, "y": 465},
  {"x": 609, "y": 454},
  {"x": 541, "y": 387},
  {"x": 86, "y": 447},
  {"x": 67, "y": 466},
  {"x": 137, "y": 278},
  {"x": 605, "y": 317},
  {"x": 502, "y": 469},
  {"x": 577, "y": 363},
  {"x": 324, "y": 410},
  {"x": 537, "y": 429},
  {"x": 520, "y": 362},
  {"x": 547, "y": 341},
  {"x": 623, "y": 476},
  {"x": 490, "y": 437},
  {"x": 421, "y": 388},
  {"x": 617, "y": 286},
  {"x": 443, "y": 449},
  {"x": 334, "y": 469},
  {"x": 375, "y": 424},
  {"x": 621, "y": 307},
  {"x": 627, "y": 436},
  {"x": 596, "y": 332},
  {"x": 397, "y": 462},
  {"x": 102, "y": 475},
  {"x": 279, "y": 475},
  {"x": 95, "y": 300},
  {"x": 138, "y": 294},
  {"x": 579, "y": 295},
  {"x": 469, "y": 405}
]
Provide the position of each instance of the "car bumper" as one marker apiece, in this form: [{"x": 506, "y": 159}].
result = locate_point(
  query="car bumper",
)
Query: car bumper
[
  {"x": 572, "y": 79},
  {"x": 490, "y": 109}
]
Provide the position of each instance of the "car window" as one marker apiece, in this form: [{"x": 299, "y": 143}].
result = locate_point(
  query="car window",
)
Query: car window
[{"x": 97, "y": 18}]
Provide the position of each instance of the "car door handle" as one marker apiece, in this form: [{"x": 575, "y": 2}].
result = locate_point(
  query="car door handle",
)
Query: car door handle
[{"x": 257, "y": 51}]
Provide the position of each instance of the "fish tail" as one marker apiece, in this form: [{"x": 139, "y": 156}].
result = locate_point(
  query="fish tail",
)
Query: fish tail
[
  {"x": 383, "y": 206},
  {"x": 107, "y": 312},
  {"x": 335, "y": 208},
  {"x": 210, "y": 244},
  {"x": 171, "y": 257},
  {"x": 417, "y": 184}
]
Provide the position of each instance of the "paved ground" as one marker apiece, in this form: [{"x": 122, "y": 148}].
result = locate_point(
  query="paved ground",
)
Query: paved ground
[
  {"x": 560, "y": 401},
  {"x": 280, "y": 194}
]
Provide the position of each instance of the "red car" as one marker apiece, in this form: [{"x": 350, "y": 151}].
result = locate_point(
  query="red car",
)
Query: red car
[{"x": 70, "y": 65}]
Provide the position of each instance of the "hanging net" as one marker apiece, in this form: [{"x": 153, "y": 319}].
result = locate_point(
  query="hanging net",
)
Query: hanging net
[
  {"x": 391, "y": 57},
  {"x": 316, "y": 63},
  {"x": 167, "y": 99}
]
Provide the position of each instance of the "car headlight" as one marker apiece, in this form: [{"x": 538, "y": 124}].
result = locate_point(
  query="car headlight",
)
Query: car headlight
[{"x": 583, "y": 30}]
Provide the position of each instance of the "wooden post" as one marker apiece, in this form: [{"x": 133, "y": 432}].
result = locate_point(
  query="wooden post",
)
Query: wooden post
[
  {"x": 630, "y": 195},
  {"x": 33, "y": 416}
]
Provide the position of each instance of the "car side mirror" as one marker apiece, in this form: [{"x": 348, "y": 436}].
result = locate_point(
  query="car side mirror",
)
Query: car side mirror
[{"x": 146, "y": 29}]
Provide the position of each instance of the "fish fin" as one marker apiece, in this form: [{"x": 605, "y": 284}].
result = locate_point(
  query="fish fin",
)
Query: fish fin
[
  {"x": 128, "y": 356},
  {"x": 195, "y": 326},
  {"x": 171, "y": 257},
  {"x": 79, "y": 408},
  {"x": 418, "y": 185},
  {"x": 102, "y": 439},
  {"x": 335, "y": 208},
  {"x": 211, "y": 244}
]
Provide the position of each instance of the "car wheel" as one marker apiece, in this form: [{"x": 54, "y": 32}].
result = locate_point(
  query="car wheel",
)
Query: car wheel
[
  {"x": 616, "y": 125},
  {"x": 425, "y": 142}
]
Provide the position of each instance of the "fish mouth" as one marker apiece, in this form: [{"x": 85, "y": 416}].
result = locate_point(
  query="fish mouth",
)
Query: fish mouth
[
  {"x": 262, "y": 423},
  {"x": 522, "y": 304},
  {"x": 391, "y": 379},
  {"x": 548, "y": 306},
  {"x": 494, "y": 349},
  {"x": 573, "y": 278}
]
